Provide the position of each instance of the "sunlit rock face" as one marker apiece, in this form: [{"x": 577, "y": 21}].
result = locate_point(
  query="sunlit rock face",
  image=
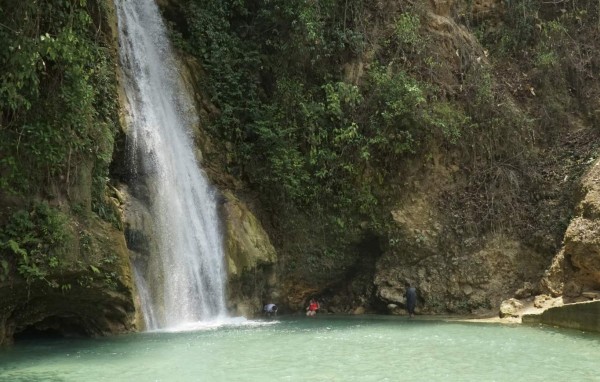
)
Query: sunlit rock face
[
  {"x": 510, "y": 308},
  {"x": 575, "y": 270},
  {"x": 451, "y": 276},
  {"x": 250, "y": 258}
]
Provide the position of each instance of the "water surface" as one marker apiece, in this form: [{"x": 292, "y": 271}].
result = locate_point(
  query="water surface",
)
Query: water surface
[{"x": 322, "y": 349}]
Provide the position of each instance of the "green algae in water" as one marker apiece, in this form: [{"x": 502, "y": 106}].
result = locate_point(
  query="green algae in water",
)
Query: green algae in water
[{"x": 322, "y": 349}]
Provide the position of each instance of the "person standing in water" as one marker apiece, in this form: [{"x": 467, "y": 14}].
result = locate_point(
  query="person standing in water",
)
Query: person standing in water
[
  {"x": 411, "y": 299},
  {"x": 312, "y": 308}
]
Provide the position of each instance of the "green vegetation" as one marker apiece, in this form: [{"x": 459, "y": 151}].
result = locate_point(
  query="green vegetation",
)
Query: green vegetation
[
  {"x": 58, "y": 119},
  {"x": 326, "y": 107},
  {"x": 303, "y": 133},
  {"x": 555, "y": 44},
  {"x": 327, "y": 103},
  {"x": 37, "y": 245},
  {"x": 538, "y": 86},
  {"x": 57, "y": 97},
  {"x": 33, "y": 242},
  {"x": 308, "y": 136}
]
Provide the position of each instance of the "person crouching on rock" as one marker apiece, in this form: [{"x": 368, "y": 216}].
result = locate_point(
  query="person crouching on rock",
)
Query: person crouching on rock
[
  {"x": 270, "y": 310},
  {"x": 312, "y": 308}
]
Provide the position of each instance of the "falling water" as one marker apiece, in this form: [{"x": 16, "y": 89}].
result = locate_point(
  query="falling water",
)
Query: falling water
[{"x": 183, "y": 282}]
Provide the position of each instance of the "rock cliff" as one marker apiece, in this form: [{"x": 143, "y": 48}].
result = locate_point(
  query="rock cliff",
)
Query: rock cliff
[
  {"x": 89, "y": 292},
  {"x": 576, "y": 268},
  {"x": 470, "y": 223},
  {"x": 504, "y": 205}
]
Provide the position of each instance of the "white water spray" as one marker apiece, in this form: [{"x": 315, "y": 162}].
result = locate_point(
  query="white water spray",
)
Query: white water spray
[{"x": 184, "y": 281}]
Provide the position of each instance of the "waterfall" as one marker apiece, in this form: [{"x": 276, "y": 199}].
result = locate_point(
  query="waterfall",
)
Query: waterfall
[{"x": 183, "y": 281}]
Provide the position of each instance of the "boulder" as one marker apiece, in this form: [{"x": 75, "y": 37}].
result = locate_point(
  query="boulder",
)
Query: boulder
[{"x": 510, "y": 308}]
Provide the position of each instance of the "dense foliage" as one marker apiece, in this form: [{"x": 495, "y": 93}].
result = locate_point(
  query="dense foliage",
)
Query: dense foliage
[
  {"x": 544, "y": 61},
  {"x": 33, "y": 241},
  {"x": 58, "y": 118},
  {"x": 325, "y": 103},
  {"x": 57, "y": 96},
  {"x": 304, "y": 133}
]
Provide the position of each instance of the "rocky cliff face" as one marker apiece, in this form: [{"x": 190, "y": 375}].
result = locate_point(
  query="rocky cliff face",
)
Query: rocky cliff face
[
  {"x": 90, "y": 292},
  {"x": 441, "y": 241},
  {"x": 469, "y": 225},
  {"x": 575, "y": 271},
  {"x": 251, "y": 260},
  {"x": 65, "y": 267},
  {"x": 460, "y": 269}
]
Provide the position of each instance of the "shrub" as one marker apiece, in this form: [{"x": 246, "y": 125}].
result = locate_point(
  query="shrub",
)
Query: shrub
[{"x": 32, "y": 241}]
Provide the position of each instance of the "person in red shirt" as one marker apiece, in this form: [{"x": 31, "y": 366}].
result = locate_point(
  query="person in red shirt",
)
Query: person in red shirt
[{"x": 312, "y": 308}]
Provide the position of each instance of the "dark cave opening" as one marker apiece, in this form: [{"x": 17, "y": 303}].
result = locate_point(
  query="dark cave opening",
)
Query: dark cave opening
[
  {"x": 51, "y": 328},
  {"x": 33, "y": 333},
  {"x": 357, "y": 287}
]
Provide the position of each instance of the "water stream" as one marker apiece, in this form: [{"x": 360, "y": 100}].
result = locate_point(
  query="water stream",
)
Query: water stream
[
  {"x": 298, "y": 348},
  {"x": 183, "y": 281}
]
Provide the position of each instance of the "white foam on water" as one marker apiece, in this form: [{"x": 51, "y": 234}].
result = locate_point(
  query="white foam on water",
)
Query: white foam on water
[{"x": 217, "y": 324}]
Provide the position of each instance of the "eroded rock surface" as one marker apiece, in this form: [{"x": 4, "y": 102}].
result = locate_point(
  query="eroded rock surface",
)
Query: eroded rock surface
[
  {"x": 250, "y": 259},
  {"x": 90, "y": 293},
  {"x": 576, "y": 268}
]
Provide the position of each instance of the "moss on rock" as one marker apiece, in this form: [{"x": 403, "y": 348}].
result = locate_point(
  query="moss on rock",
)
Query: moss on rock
[{"x": 90, "y": 291}]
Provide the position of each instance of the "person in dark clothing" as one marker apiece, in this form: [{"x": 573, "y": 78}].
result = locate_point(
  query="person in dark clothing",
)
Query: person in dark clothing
[{"x": 411, "y": 299}]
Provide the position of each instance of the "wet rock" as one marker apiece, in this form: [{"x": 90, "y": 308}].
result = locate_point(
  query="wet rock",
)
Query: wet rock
[
  {"x": 394, "y": 309},
  {"x": 593, "y": 295},
  {"x": 247, "y": 242},
  {"x": 250, "y": 258},
  {"x": 92, "y": 294}
]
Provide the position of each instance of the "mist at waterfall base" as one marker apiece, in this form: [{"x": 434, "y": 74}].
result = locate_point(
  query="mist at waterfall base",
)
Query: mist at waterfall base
[
  {"x": 182, "y": 283},
  {"x": 375, "y": 348}
]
